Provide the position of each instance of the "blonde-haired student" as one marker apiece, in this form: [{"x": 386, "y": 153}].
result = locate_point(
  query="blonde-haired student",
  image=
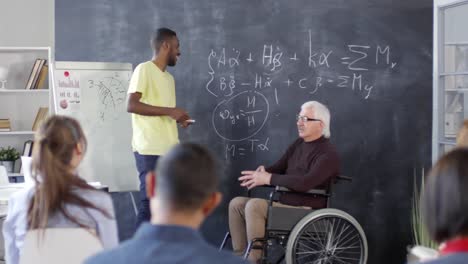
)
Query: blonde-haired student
[
  {"x": 59, "y": 198},
  {"x": 462, "y": 137}
]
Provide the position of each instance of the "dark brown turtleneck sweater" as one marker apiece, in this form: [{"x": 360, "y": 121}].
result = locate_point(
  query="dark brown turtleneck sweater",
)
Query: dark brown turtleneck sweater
[{"x": 305, "y": 166}]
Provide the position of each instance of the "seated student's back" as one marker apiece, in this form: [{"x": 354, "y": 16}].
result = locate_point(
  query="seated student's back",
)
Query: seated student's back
[
  {"x": 182, "y": 192},
  {"x": 445, "y": 207},
  {"x": 59, "y": 197},
  {"x": 165, "y": 244},
  {"x": 15, "y": 227}
]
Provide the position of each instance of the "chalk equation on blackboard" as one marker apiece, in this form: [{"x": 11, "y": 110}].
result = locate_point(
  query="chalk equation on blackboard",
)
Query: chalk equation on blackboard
[
  {"x": 271, "y": 74},
  {"x": 273, "y": 59},
  {"x": 111, "y": 93},
  {"x": 245, "y": 112},
  {"x": 247, "y": 147}
]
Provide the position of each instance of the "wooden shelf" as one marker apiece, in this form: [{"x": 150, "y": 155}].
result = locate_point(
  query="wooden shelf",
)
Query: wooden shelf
[
  {"x": 16, "y": 49},
  {"x": 12, "y": 133},
  {"x": 464, "y": 90},
  {"x": 448, "y": 142},
  {"x": 34, "y": 91},
  {"x": 21, "y": 105},
  {"x": 453, "y": 73},
  {"x": 15, "y": 174},
  {"x": 456, "y": 43}
]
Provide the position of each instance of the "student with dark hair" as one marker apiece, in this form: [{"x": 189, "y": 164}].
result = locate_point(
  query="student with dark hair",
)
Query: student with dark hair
[
  {"x": 183, "y": 192},
  {"x": 59, "y": 197},
  {"x": 445, "y": 207},
  {"x": 152, "y": 102}
]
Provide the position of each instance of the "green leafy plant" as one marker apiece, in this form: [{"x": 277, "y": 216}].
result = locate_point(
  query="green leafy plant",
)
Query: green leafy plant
[
  {"x": 9, "y": 154},
  {"x": 420, "y": 234}
]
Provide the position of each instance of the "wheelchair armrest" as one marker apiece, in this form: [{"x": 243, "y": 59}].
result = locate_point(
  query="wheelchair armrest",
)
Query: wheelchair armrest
[
  {"x": 249, "y": 192},
  {"x": 313, "y": 191},
  {"x": 344, "y": 178}
]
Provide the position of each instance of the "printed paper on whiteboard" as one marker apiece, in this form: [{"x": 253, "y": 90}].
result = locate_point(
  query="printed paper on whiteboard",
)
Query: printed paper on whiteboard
[{"x": 68, "y": 92}]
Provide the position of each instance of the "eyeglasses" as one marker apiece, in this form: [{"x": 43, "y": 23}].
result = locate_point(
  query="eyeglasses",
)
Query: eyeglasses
[{"x": 305, "y": 118}]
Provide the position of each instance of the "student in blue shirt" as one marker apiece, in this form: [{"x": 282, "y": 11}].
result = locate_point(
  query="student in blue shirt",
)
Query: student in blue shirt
[
  {"x": 59, "y": 197},
  {"x": 182, "y": 192}
]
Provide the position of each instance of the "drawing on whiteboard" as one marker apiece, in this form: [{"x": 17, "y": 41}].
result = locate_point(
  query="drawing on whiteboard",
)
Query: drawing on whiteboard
[{"x": 111, "y": 92}]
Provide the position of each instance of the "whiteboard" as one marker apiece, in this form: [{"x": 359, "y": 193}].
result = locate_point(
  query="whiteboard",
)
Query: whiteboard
[{"x": 95, "y": 94}]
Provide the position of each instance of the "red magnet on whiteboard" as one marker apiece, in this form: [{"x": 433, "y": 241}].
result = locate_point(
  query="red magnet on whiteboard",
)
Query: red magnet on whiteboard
[
  {"x": 64, "y": 104},
  {"x": 66, "y": 74}
]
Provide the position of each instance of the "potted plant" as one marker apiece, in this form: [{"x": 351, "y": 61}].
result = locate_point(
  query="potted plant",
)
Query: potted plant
[
  {"x": 8, "y": 156},
  {"x": 424, "y": 247}
]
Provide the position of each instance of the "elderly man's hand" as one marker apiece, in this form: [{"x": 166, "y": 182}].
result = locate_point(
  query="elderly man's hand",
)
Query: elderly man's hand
[
  {"x": 261, "y": 168},
  {"x": 252, "y": 179}
]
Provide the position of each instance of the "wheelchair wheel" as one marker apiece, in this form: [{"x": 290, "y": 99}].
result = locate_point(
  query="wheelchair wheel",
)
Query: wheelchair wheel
[{"x": 327, "y": 236}]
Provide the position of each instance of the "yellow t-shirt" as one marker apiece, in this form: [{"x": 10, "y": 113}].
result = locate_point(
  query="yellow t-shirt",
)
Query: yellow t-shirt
[{"x": 153, "y": 135}]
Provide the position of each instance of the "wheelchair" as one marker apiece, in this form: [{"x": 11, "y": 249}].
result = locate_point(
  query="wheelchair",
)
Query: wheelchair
[{"x": 320, "y": 236}]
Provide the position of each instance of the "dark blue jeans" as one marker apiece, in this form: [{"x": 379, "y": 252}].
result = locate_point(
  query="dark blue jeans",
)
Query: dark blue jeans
[{"x": 144, "y": 163}]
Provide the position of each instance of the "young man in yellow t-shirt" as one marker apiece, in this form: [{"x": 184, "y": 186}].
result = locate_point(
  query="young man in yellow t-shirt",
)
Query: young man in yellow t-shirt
[{"x": 152, "y": 102}]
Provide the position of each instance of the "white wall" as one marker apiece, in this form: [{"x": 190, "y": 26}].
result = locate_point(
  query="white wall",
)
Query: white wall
[{"x": 27, "y": 23}]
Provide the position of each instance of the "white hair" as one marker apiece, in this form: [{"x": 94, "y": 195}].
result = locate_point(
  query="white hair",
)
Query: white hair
[{"x": 321, "y": 112}]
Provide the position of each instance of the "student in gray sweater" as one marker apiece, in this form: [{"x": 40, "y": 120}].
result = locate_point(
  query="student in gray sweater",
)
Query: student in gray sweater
[{"x": 59, "y": 197}]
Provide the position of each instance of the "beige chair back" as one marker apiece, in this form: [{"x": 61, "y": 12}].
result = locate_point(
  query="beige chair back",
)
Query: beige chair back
[
  {"x": 59, "y": 246},
  {"x": 3, "y": 176}
]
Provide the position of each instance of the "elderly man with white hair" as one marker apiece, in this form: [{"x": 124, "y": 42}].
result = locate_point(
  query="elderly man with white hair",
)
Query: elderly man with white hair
[{"x": 311, "y": 162}]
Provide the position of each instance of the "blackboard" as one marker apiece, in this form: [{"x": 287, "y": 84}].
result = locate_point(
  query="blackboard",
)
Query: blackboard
[{"x": 368, "y": 61}]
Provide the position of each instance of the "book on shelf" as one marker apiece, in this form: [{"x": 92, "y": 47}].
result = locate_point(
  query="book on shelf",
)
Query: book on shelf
[
  {"x": 5, "y": 125},
  {"x": 27, "y": 148},
  {"x": 4, "y": 122},
  {"x": 38, "y": 73},
  {"x": 34, "y": 75},
  {"x": 42, "y": 77},
  {"x": 40, "y": 117},
  {"x": 27, "y": 152},
  {"x": 31, "y": 75}
]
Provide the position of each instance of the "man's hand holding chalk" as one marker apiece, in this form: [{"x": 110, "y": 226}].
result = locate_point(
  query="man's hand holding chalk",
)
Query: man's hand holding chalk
[{"x": 187, "y": 122}]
